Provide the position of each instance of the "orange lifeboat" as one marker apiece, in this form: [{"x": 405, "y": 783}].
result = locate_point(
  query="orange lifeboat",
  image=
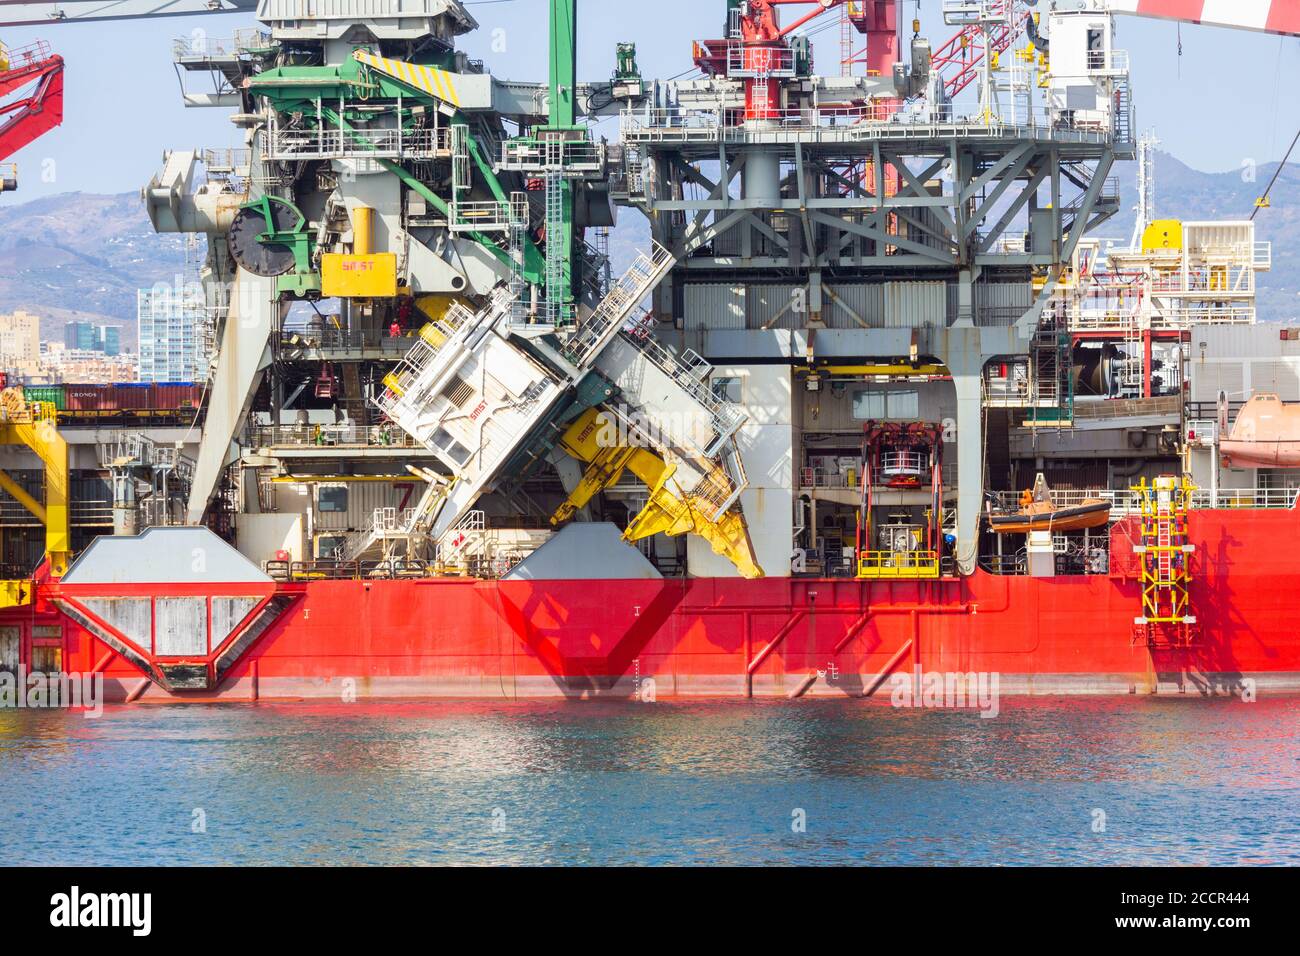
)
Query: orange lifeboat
[
  {"x": 1266, "y": 434},
  {"x": 1038, "y": 512}
]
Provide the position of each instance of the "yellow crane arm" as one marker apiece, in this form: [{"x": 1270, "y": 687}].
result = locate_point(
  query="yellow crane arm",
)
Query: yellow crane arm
[{"x": 668, "y": 511}]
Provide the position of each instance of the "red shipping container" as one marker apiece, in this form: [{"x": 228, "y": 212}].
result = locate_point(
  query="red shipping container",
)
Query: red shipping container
[
  {"x": 176, "y": 396},
  {"x": 89, "y": 398},
  {"x": 133, "y": 397}
]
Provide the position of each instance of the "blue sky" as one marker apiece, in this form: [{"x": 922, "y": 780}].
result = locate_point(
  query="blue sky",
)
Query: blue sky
[{"x": 1230, "y": 98}]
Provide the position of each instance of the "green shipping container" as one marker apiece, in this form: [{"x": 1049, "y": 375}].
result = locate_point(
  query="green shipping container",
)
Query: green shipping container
[{"x": 45, "y": 393}]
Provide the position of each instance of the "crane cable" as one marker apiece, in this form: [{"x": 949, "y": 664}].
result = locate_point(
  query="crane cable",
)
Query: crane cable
[{"x": 1263, "y": 202}]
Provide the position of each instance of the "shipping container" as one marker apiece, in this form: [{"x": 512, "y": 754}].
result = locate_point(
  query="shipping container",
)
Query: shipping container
[
  {"x": 45, "y": 393},
  {"x": 176, "y": 396},
  {"x": 88, "y": 398},
  {"x": 133, "y": 396}
]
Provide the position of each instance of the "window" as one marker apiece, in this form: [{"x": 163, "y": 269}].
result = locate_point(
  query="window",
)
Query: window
[
  {"x": 881, "y": 405},
  {"x": 328, "y": 544},
  {"x": 729, "y": 389},
  {"x": 333, "y": 498},
  {"x": 443, "y": 440}
]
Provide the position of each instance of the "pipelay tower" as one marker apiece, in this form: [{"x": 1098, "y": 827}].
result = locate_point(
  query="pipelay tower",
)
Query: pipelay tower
[{"x": 785, "y": 438}]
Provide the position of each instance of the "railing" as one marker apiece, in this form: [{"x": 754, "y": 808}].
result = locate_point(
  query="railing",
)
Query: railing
[
  {"x": 337, "y": 570},
  {"x": 1236, "y": 276},
  {"x": 465, "y": 540},
  {"x": 683, "y": 119},
  {"x": 898, "y": 564},
  {"x": 1126, "y": 503},
  {"x": 624, "y": 295},
  {"x": 485, "y": 216},
  {"x": 1258, "y": 499},
  {"x": 1115, "y": 320},
  {"x": 1210, "y": 410},
  {"x": 846, "y": 124},
  {"x": 959, "y": 13},
  {"x": 690, "y": 371},
  {"x": 226, "y": 162},
  {"x": 17, "y": 57},
  {"x": 747, "y": 60},
  {"x": 80, "y": 513},
  {"x": 1112, "y": 61},
  {"x": 202, "y": 47},
  {"x": 1202, "y": 432},
  {"x": 326, "y": 338},
  {"x": 558, "y": 155},
  {"x": 326, "y": 142},
  {"x": 820, "y": 478},
  {"x": 393, "y": 521},
  {"x": 1167, "y": 406},
  {"x": 330, "y": 436}
]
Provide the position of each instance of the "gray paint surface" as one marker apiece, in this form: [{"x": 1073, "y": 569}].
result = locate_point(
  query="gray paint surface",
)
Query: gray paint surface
[
  {"x": 164, "y": 556},
  {"x": 593, "y": 550}
]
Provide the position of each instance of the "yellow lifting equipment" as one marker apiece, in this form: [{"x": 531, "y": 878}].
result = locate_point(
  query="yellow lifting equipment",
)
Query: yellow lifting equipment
[
  {"x": 33, "y": 424},
  {"x": 669, "y": 511}
]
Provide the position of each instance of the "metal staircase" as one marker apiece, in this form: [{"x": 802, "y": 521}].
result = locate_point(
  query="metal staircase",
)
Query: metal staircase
[
  {"x": 593, "y": 334},
  {"x": 354, "y": 399}
]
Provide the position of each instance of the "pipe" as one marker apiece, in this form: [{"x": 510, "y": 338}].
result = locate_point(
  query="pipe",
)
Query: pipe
[{"x": 363, "y": 228}]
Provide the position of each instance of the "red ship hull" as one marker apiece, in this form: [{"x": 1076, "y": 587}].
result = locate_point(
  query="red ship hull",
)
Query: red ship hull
[{"x": 722, "y": 637}]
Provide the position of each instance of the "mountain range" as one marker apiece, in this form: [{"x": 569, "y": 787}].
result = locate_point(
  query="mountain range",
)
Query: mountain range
[{"x": 84, "y": 256}]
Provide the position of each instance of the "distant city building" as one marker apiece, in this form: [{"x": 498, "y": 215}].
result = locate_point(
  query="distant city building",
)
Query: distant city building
[
  {"x": 171, "y": 343},
  {"x": 85, "y": 337},
  {"x": 27, "y": 360},
  {"x": 20, "y": 340},
  {"x": 83, "y": 367},
  {"x": 79, "y": 335}
]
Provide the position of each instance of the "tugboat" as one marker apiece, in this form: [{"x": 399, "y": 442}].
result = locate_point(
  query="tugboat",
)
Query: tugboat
[{"x": 1038, "y": 512}]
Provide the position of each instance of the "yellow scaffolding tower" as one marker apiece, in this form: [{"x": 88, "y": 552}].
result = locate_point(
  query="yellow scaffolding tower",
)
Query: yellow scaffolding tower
[
  {"x": 1165, "y": 556},
  {"x": 33, "y": 424}
]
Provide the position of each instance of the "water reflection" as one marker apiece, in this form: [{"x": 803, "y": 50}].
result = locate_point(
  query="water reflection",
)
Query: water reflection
[{"x": 1181, "y": 781}]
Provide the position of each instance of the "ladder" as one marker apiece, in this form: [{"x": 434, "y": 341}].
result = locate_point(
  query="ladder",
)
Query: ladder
[
  {"x": 1165, "y": 554},
  {"x": 592, "y": 335},
  {"x": 557, "y": 257}
]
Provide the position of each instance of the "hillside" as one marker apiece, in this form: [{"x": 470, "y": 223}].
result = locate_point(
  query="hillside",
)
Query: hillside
[
  {"x": 79, "y": 255},
  {"x": 82, "y": 256}
]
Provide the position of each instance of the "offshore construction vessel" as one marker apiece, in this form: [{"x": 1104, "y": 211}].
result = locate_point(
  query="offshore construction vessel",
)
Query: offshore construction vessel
[{"x": 454, "y": 444}]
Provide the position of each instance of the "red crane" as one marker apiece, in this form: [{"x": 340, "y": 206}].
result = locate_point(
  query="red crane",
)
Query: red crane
[
  {"x": 36, "y": 75},
  {"x": 958, "y": 61}
]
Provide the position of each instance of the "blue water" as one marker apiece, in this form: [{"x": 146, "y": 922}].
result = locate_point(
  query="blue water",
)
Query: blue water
[{"x": 1180, "y": 781}]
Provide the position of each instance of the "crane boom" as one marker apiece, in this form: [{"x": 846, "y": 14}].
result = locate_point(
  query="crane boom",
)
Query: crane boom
[
  {"x": 22, "y": 13},
  {"x": 1266, "y": 16}
]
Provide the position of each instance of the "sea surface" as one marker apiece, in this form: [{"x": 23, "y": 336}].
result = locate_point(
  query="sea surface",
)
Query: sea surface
[{"x": 1048, "y": 781}]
